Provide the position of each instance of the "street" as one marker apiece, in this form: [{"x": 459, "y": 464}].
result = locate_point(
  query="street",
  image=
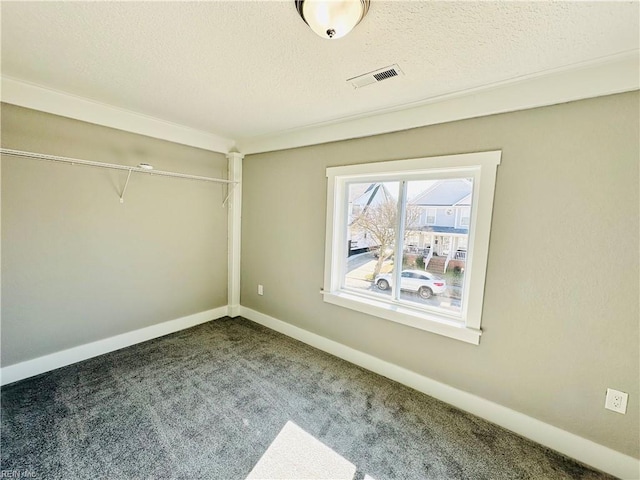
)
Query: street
[{"x": 359, "y": 275}]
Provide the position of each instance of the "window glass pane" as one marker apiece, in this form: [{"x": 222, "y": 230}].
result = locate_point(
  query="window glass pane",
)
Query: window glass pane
[
  {"x": 435, "y": 244},
  {"x": 434, "y": 241},
  {"x": 371, "y": 231},
  {"x": 464, "y": 213},
  {"x": 431, "y": 216}
]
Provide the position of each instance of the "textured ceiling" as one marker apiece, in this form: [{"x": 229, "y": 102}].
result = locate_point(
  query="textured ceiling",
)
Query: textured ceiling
[{"x": 250, "y": 68}]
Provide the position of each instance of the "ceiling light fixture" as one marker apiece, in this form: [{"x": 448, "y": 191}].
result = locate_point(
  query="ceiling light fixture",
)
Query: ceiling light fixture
[{"x": 332, "y": 18}]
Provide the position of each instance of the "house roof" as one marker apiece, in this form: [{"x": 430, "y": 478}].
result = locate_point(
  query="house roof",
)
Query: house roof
[
  {"x": 375, "y": 194},
  {"x": 437, "y": 229},
  {"x": 446, "y": 193},
  {"x": 465, "y": 202}
]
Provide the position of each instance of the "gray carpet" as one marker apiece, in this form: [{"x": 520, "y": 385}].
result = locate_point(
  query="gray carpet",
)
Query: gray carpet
[{"x": 207, "y": 402}]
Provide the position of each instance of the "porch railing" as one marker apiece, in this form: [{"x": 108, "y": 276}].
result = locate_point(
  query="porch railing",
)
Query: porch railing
[
  {"x": 461, "y": 255},
  {"x": 446, "y": 262},
  {"x": 427, "y": 258}
]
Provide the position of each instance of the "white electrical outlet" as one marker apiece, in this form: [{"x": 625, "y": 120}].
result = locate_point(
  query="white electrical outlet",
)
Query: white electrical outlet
[
  {"x": 616, "y": 401},
  {"x": 260, "y": 290}
]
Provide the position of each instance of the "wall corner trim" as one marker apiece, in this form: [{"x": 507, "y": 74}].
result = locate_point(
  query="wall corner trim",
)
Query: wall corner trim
[
  {"x": 234, "y": 231},
  {"x": 574, "y": 446},
  {"x": 36, "y": 366}
]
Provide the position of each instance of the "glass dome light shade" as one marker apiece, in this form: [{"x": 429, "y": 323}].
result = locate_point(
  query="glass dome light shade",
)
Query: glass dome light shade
[{"x": 332, "y": 19}]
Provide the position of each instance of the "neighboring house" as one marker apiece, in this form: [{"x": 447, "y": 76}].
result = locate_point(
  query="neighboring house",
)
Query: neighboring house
[{"x": 442, "y": 230}]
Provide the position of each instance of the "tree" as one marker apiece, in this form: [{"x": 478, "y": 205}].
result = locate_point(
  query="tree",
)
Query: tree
[{"x": 380, "y": 221}]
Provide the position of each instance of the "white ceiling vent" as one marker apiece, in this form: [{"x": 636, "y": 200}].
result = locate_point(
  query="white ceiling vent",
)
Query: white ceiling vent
[{"x": 375, "y": 76}]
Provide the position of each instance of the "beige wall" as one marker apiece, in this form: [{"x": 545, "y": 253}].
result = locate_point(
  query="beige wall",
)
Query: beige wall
[
  {"x": 78, "y": 266},
  {"x": 560, "y": 318}
]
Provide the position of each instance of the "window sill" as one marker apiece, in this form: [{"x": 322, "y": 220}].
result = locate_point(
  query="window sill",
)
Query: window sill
[{"x": 404, "y": 315}]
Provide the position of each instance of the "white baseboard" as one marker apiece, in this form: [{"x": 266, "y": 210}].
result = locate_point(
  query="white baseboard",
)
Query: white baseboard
[
  {"x": 583, "y": 450},
  {"x": 233, "y": 311},
  {"x": 29, "y": 368}
]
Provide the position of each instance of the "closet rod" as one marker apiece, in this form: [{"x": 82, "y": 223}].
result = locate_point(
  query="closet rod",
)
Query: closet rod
[{"x": 113, "y": 166}]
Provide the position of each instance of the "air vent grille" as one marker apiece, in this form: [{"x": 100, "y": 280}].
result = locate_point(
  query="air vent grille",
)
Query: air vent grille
[
  {"x": 375, "y": 76},
  {"x": 386, "y": 74}
]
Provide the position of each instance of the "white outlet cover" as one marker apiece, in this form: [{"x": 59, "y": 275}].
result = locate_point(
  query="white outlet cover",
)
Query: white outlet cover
[{"x": 616, "y": 401}]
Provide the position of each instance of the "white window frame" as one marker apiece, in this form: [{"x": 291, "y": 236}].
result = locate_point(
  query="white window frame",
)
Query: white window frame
[{"x": 482, "y": 167}]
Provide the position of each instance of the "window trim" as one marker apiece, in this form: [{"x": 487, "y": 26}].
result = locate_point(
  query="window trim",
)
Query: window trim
[{"x": 483, "y": 167}]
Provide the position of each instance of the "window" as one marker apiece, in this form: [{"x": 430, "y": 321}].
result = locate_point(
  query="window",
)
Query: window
[
  {"x": 424, "y": 271},
  {"x": 464, "y": 217},
  {"x": 431, "y": 216}
]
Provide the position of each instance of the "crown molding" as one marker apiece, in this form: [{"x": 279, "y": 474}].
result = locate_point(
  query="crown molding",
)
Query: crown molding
[
  {"x": 600, "y": 77},
  {"x": 604, "y": 76},
  {"x": 29, "y": 95}
]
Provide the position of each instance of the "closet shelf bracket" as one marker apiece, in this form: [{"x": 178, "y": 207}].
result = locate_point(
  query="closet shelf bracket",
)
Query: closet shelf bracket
[{"x": 125, "y": 187}]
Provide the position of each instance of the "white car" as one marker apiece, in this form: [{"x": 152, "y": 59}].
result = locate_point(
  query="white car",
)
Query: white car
[{"x": 424, "y": 283}]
